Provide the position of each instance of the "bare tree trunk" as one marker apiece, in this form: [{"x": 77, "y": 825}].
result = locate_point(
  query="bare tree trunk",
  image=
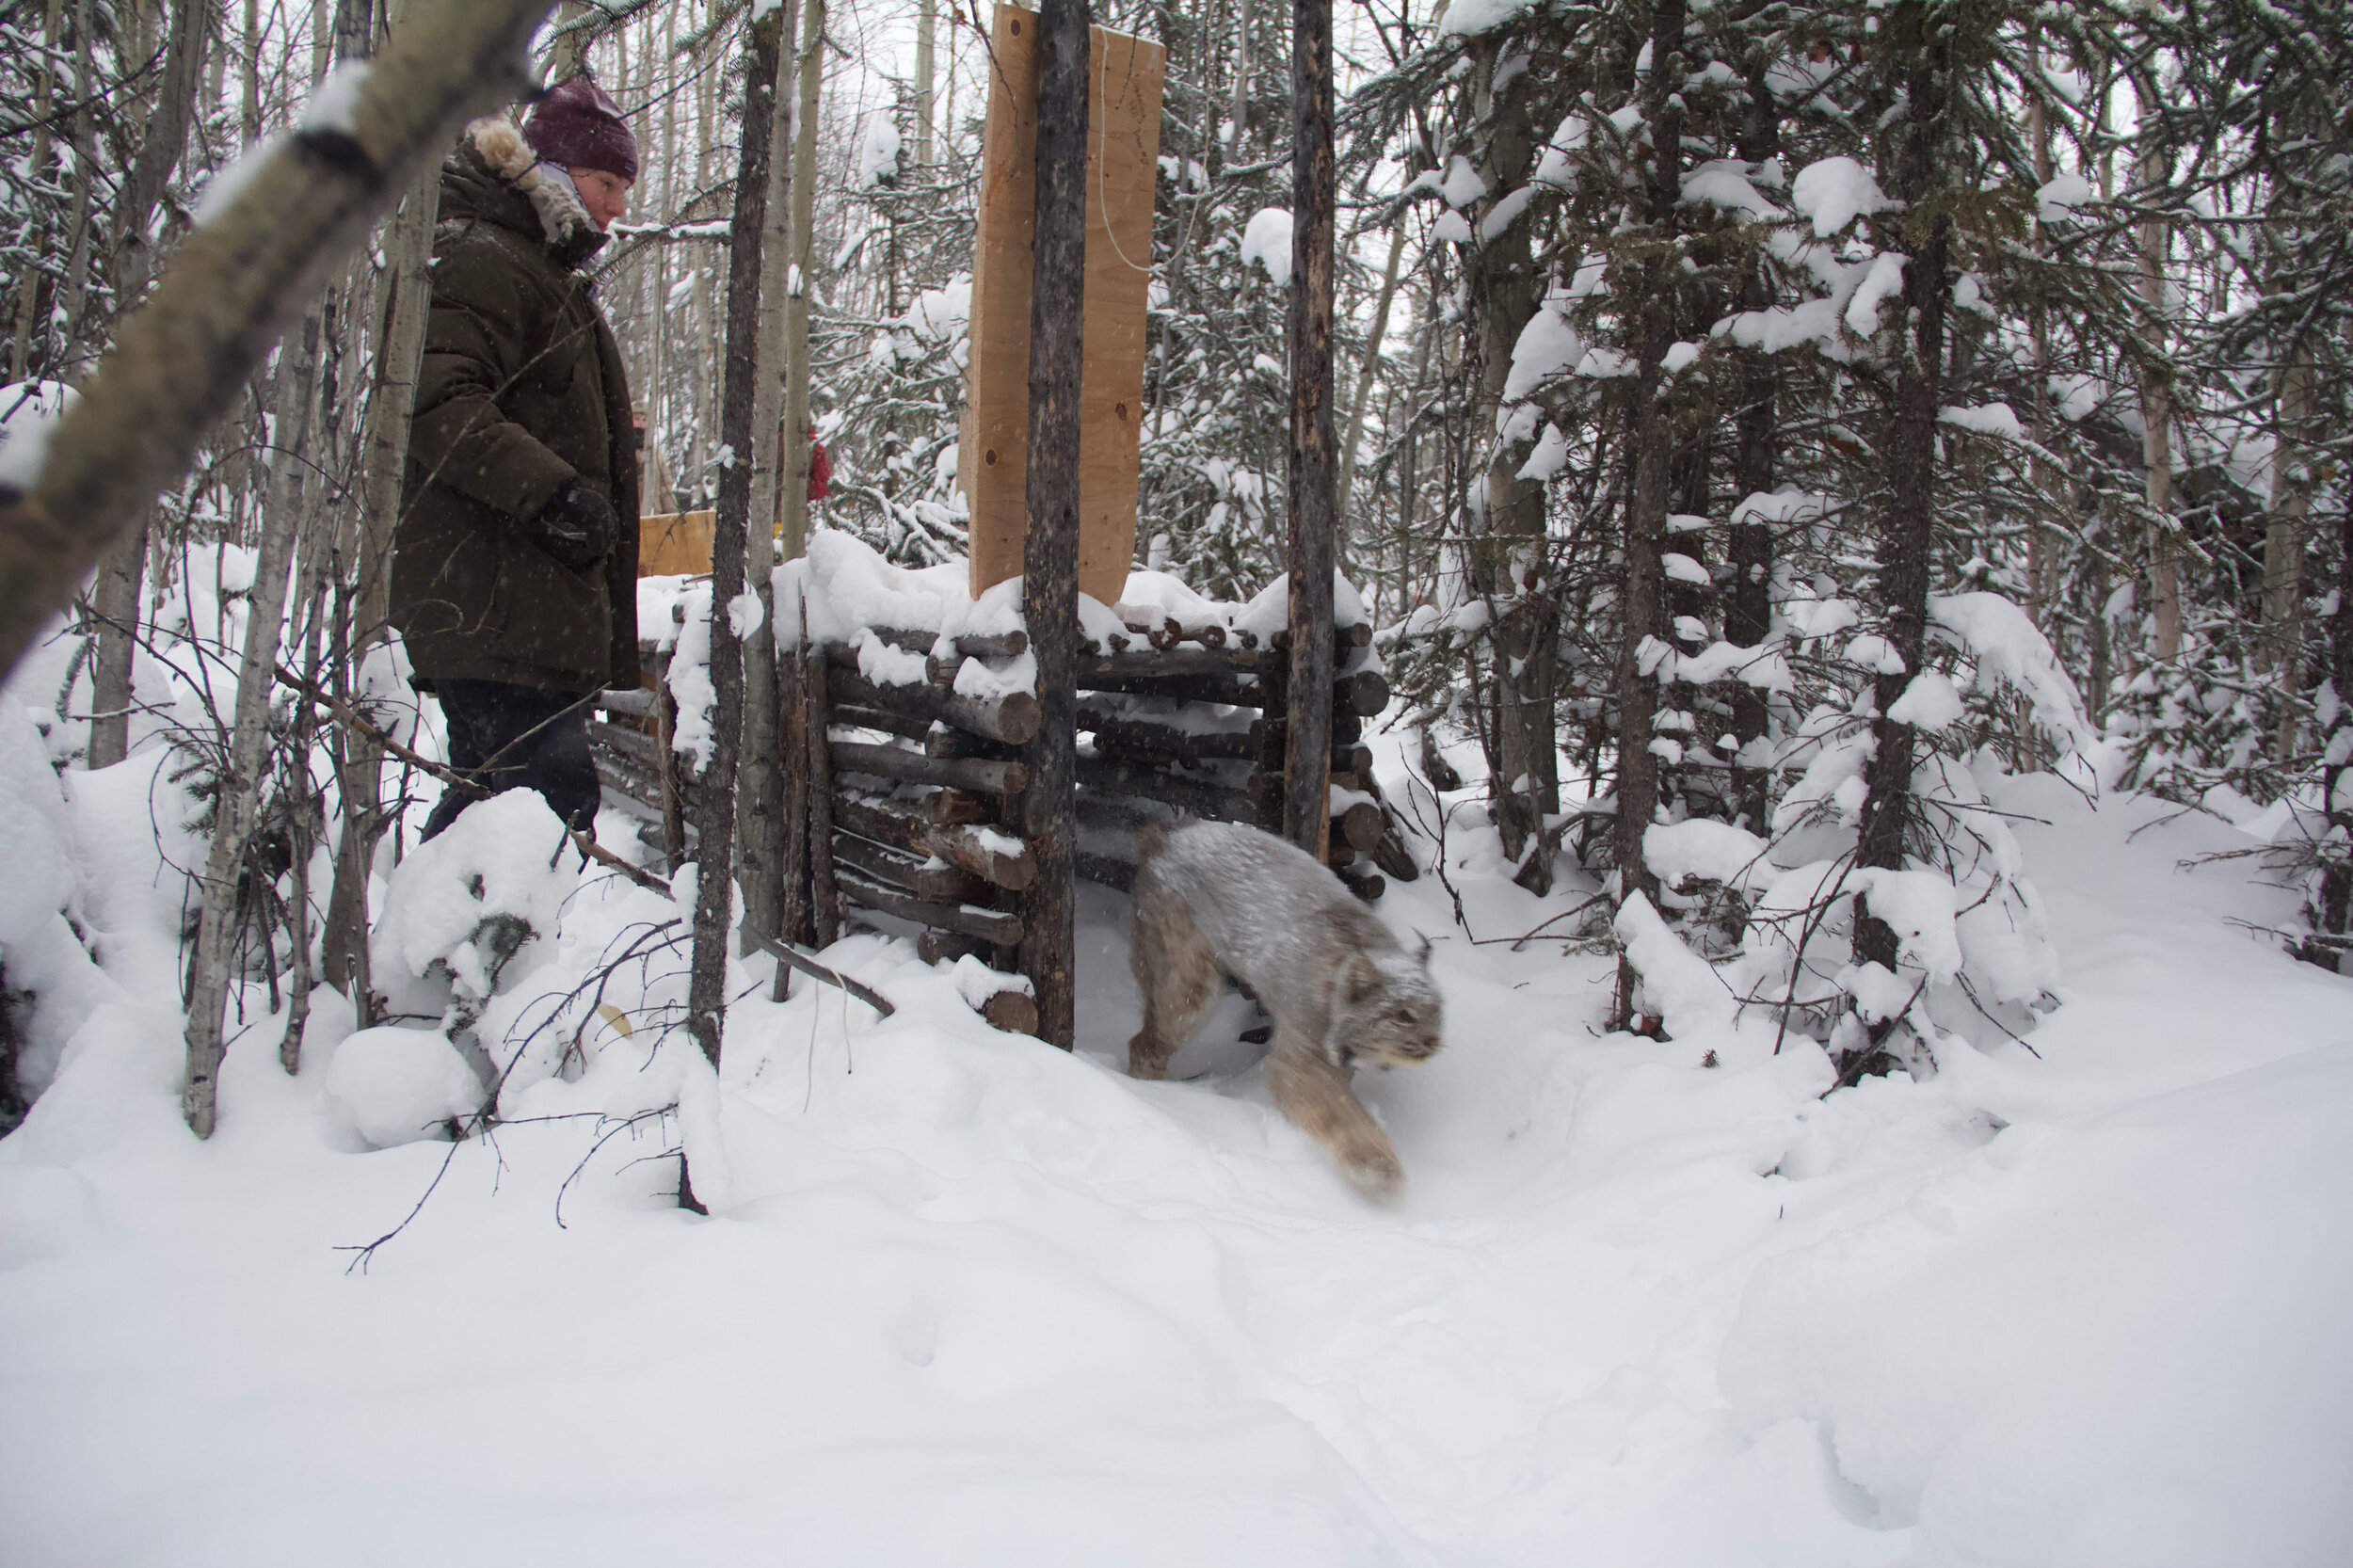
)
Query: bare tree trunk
[
  {"x": 123, "y": 572},
  {"x": 1509, "y": 561},
  {"x": 405, "y": 307},
  {"x": 2156, "y": 442},
  {"x": 793, "y": 472},
  {"x": 29, "y": 289},
  {"x": 2335, "y": 895},
  {"x": 1049, "y": 591},
  {"x": 1368, "y": 372},
  {"x": 1239, "y": 134},
  {"x": 2042, "y": 540},
  {"x": 2283, "y": 543},
  {"x": 1749, "y": 604},
  {"x": 568, "y": 54},
  {"x": 182, "y": 359},
  {"x": 714, "y": 885},
  {"x": 926, "y": 24},
  {"x": 1314, "y": 454},
  {"x": 761, "y": 797},
  {"x": 249, "y": 81},
  {"x": 75, "y": 307},
  {"x": 234, "y": 807},
  {"x": 1641, "y": 634}
]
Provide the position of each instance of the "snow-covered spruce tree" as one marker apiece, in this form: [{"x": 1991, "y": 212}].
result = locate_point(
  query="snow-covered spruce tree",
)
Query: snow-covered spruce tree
[
  {"x": 1216, "y": 390},
  {"x": 1788, "y": 388},
  {"x": 2264, "y": 132},
  {"x": 1625, "y": 254},
  {"x": 1895, "y": 912}
]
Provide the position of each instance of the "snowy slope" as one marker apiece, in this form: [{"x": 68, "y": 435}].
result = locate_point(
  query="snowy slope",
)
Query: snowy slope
[{"x": 974, "y": 1301}]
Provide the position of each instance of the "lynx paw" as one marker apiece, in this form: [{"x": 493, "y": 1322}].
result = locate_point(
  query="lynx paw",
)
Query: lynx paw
[
  {"x": 1374, "y": 1171},
  {"x": 1144, "y": 1062}
]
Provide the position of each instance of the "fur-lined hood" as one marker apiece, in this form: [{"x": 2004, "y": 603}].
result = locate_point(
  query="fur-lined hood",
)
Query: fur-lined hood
[{"x": 502, "y": 166}]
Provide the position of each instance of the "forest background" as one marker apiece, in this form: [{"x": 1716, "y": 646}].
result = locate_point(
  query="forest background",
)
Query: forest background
[{"x": 1754, "y": 416}]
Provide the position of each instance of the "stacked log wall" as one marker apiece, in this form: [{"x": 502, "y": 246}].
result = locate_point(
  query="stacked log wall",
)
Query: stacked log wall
[{"x": 913, "y": 802}]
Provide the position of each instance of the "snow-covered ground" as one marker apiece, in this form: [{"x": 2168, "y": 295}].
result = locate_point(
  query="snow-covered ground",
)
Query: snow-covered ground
[{"x": 970, "y": 1299}]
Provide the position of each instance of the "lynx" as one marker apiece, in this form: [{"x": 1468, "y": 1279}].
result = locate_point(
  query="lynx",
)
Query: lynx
[{"x": 1215, "y": 899}]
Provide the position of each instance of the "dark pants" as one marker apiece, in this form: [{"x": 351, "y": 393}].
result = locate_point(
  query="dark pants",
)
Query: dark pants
[{"x": 510, "y": 737}]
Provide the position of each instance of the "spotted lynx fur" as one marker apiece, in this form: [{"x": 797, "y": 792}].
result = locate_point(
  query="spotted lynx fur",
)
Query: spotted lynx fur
[{"x": 1216, "y": 899}]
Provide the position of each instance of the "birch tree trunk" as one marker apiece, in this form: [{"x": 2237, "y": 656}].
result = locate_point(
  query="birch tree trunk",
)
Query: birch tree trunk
[
  {"x": 234, "y": 807},
  {"x": 1368, "y": 372},
  {"x": 793, "y": 470},
  {"x": 926, "y": 25},
  {"x": 568, "y": 54},
  {"x": 408, "y": 295}
]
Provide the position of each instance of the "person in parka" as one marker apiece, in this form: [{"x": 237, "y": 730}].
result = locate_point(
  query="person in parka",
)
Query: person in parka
[{"x": 513, "y": 578}]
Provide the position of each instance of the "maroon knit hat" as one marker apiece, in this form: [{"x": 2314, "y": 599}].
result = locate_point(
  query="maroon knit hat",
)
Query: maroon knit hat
[{"x": 579, "y": 127}]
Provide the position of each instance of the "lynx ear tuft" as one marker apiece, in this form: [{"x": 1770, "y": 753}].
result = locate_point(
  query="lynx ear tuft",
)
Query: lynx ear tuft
[{"x": 1422, "y": 957}]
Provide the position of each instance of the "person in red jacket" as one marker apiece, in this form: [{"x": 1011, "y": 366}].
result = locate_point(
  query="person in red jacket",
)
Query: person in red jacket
[
  {"x": 820, "y": 468},
  {"x": 820, "y": 465}
]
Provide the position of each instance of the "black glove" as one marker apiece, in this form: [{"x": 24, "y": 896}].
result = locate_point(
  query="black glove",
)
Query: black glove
[{"x": 577, "y": 526}]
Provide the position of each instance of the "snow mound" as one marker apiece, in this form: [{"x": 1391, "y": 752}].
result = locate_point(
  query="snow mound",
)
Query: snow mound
[
  {"x": 1267, "y": 240},
  {"x": 2053, "y": 1354},
  {"x": 505, "y": 859},
  {"x": 1834, "y": 192},
  {"x": 401, "y": 1085}
]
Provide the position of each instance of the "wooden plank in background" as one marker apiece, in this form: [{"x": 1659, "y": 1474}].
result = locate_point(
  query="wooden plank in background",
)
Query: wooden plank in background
[
  {"x": 674, "y": 543},
  {"x": 1123, "y": 161}
]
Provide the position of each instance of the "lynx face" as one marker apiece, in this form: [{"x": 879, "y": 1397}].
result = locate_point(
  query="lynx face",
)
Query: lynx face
[{"x": 1386, "y": 1014}]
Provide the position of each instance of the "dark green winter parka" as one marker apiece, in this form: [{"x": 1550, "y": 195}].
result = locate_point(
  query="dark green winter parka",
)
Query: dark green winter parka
[{"x": 521, "y": 389}]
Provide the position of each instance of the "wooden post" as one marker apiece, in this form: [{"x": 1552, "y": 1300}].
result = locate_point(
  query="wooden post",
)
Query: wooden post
[
  {"x": 1123, "y": 127},
  {"x": 1051, "y": 551},
  {"x": 1314, "y": 468}
]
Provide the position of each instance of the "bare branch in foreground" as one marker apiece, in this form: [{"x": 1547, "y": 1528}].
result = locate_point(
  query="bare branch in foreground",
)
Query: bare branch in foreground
[{"x": 182, "y": 359}]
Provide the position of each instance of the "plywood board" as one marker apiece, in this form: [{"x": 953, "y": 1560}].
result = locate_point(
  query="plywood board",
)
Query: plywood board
[
  {"x": 1124, "y": 90},
  {"x": 675, "y": 542}
]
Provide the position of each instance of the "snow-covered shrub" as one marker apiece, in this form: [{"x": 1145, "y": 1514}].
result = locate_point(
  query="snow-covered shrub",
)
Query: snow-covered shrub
[
  {"x": 400, "y": 1085},
  {"x": 466, "y": 911},
  {"x": 1974, "y": 956}
]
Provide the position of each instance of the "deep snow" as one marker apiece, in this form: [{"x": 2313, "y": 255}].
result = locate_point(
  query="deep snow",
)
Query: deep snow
[{"x": 975, "y": 1301}]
